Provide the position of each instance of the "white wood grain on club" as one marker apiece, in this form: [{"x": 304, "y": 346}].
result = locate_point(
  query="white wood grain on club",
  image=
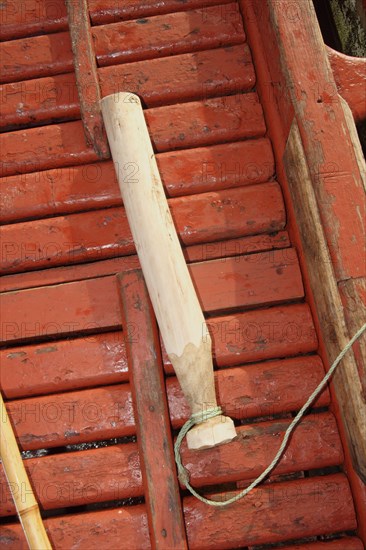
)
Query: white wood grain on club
[{"x": 170, "y": 287}]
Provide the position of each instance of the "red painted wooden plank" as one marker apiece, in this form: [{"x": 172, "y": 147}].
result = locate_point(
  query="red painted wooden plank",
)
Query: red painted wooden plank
[
  {"x": 54, "y": 311},
  {"x": 184, "y": 77},
  {"x": 235, "y": 247},
  {"x": 335, "y": 173},
  {"x": 343, "y": 543},
  {"x": 66, "y": 274},
  {"x": 31, "y": 17},
  {"x": 314, "y": 444},
  {"x": 79, "y": 478},
  {"x": 90, "y": 305},
  {"x": 350, "y": 76},
  {"x": 42, "y": 148},
  {"x": 206, "y": 122},
  {"x": 217, "y": 167},
  {"x": 264, "y": 334},
  {"x": 64, "y": 365},
  {"x": 39, "y": 100},
  {"x": 171, "y": 34},
  {"x": 152, "y": 417},
  {"x": 273, "y": 513},
  {"x": 194, "y": 253},
  {"x": 107, "y": 412},
  {"x": 92, "y": 186},
  {"x": 35, "y": 57},
  {"x": 261, "y": 389},
  {"x": 89, "y": 530},
  {"x": 253, "y": 280},
  {"x": 73, "y": 417},
  {"x": 102, "y": 11},
  {"x": 112, "y": 473},
  {"x": 87, "y": 82},
  {"x": 103, "y": 234},
  {"x": 215, "y": 120}
]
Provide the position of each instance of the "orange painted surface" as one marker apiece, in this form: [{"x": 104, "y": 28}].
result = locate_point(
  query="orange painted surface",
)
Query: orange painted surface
[
  {"x": 105, "y": 233},
  {"x": 282, "y": 499},
  {"x": 260, "y": 518},
  {"x": 64, "y": 480},
  {"x": 35, "y": 57},
  {"x": 351, "y": 543},
  {"x": 157, "y": 81},
  {"x": 63, "y": 365},
  {"x": 195, "y": 253},
  {"x": 90, "y": 186},
  {"x": 350, "y": 76},
  {"x": 290, "y": 379},
  {"x": 170, "y": 34}
]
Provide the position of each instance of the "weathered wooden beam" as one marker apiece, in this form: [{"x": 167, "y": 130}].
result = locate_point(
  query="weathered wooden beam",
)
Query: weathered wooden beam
[
  {"x": 87, "y": 81},
  {"x": 154, "y": 439},
  {"x": 328, "y": 302}
]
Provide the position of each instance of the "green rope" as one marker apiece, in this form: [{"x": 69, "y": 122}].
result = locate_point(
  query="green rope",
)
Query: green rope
[{"x": 198, "y": 418}]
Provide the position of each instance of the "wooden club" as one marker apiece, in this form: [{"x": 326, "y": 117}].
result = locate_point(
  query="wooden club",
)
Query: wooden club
[{"x": 174, "y": 299}]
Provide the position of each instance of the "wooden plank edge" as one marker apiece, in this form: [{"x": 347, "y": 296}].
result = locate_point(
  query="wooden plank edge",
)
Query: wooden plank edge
[
  {"x": 328, "y": 302},
  {"x": 164, "y": 507}
]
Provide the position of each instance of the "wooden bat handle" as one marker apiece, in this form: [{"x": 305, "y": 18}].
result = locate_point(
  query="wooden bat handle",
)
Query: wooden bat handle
[{"x": 174, "y": 299}]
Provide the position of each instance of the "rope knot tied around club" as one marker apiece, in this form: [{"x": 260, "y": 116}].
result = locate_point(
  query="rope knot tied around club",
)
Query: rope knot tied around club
[{"x": 194, "y": 419}]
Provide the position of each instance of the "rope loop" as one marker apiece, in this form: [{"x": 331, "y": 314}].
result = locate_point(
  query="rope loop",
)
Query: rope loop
[{"x": 198, "y": 418}]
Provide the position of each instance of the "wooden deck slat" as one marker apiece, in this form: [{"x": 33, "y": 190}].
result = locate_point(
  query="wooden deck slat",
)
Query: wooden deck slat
[
  {"x": 35, "y": 57},
  {"x": 201, "y": 75},
  {"x": 102, "y": 11},
  {"x": 173, "y": 33},
  {"x": 81, "y": 477},
  {"x": 107, "y": 412},
  {"x": 194, "y": 253},
  {"x": 343, "y": 543},
  {"x": 101, "y": 234},
  {"x": 271, "y": 512},
  {"x": 47, "y": 16},
  {"x": 38, "y": 369},
  {"x": 111, "y": 473},
  {"x": 246, "y": 457},
  {"x": 170, "y": 34},
  {"x": 171, "y": 127},
  {"x": 32, "y": 17},
  {"x": 244, "y": 391},
  {"x": 182, "y": 78},
  {"x": 64, "y": 365},
  {"x": 57, "y": 311},
  {"x": 126, "y": 524},
  {"x": 89, "y": 305},
  {"x": 260, "y": 334},
  {"x": 258, "y": 279},
  {"x": 44, "y": 148},
  {"x": 93, "y": 186},
  {"x": 153, "y": 430}
]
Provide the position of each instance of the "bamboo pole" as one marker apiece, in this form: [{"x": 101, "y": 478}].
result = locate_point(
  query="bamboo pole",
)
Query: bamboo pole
[
  {"x": 177, "y": 309},
  {"x": 20, "y": 487}
]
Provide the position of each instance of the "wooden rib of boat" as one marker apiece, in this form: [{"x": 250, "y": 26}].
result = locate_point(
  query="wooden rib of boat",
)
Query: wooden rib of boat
[{"x": 252, "y": 119}]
